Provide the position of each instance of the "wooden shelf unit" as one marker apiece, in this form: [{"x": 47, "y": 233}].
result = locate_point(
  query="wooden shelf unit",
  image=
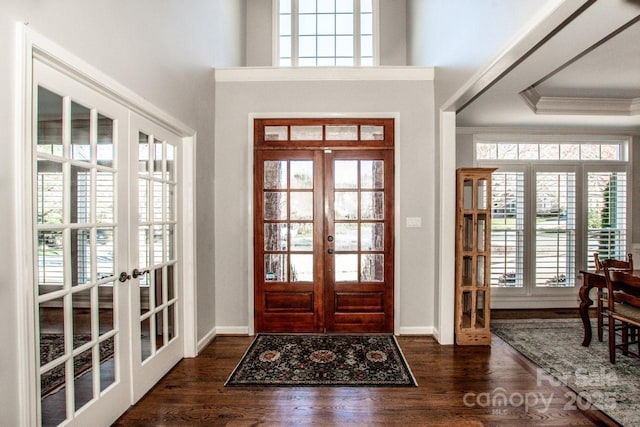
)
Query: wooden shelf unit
[{"x": 473, "y": 251}]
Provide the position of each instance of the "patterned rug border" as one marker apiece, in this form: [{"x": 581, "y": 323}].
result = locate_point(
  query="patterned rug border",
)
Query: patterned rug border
[{"x": 254, "y": 342}]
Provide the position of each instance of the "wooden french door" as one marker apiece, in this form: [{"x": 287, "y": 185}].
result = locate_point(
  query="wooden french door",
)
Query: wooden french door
[{"x": 323, "y": 226}]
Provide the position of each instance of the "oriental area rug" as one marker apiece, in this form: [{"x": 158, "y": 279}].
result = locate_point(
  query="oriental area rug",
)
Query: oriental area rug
[
  {"x": 52, "y": 347},
  {"x": 323, "y": 360},
  {"x": 555, "y": 345}
]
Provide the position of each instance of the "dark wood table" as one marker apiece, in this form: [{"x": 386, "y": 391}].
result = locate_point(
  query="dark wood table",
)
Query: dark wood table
[{"x": 590, "y": 280}]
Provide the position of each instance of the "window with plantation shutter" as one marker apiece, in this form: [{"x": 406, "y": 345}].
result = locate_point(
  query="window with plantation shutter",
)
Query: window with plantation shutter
[
  {"x": 507, "y": 229},
  {"x": 555, "y": 202},
  {"x": 606, "y": 215},
  {"x": 555, "y": 238}
]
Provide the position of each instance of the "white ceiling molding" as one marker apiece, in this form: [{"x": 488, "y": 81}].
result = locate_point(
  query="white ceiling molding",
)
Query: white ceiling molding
[
  {"x": 276, "y": 74},
  {"x": 566, "y": 105}
]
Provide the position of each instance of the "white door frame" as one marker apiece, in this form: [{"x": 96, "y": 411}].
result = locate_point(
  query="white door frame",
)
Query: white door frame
[{"x": 32, "y": 45}]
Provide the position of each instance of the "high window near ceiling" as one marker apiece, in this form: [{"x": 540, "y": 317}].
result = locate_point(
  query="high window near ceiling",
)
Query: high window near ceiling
[
  {"x": 326, "y": 33},
  {"x": 555, "y": 203}
]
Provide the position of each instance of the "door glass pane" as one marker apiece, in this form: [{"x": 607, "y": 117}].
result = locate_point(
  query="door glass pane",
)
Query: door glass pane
[
  {"x": 143, "y": 247},
  {"x": 372, "y": 174},
  {"x": 49, "y": 192},
  {"x": 275, "y": 237},
  {"x": 107, "y": 365},
  {"x": 104, "y": 197},
  {"x": 80, "y": 195},
  {"x": 306, "y": 133},
  {"x": 346, "y": 237},
  {"x": 157, "y": 201},
  {"x": 171, "y": 283},
  {"x": 143, "y": 153},
  {"x": 105, "y": 145},
  {"x": 157, "y": 244},
  {"x": 171, "y": 162},
  {"x": 171, "y": 319},
  {"x": 145, "y": 339},
  {"x": 345, "y": 174},
  {"x": 372, "y": 268},
  {"x": 346, "y": 268},
  {"x": 81, "y": 312},
  {"x": 158, "y": 157},
  {"x": 372, "y": 236},
  {"x": 480, "y": 301},
  {"x": 105, "y": 307},
  {"x": 275, "y": 205},
  {"x": 301, "y": 205},
  {"x": 83, "y": 378},
  {"x": 480, "y": 260},
  {"x": 80, "y": 256},
  {"x": 302, "y": 237},
  {"x": 157, "y": 287},
  {"x": 80, "y": 125},
  {"x": 170, "y": 243},
  {"x": 105, "y": 261},
  {"x": 346, "y": 205},
  {"x": 301, "y": 174},
  {"x": 159, "y": 330},
  {"x": 49, "y": 122},
  {"x": 372, "y": 205},
  {"x": 50, "y": 259},
  {"x": 275, "y": 267},
  {"x": 301, "y": 268},
  {"x": 143, "y": 200},
  {"x": 275, "y": 174},
  {"x": 482, "y": 223},
  {"x": 170, "y": 202}
]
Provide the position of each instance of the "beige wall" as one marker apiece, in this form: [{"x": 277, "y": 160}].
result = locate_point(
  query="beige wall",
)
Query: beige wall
[{"x": 415, "y": 181}]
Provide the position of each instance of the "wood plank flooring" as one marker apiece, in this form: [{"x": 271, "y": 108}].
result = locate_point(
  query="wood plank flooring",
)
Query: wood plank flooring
[{"x": 456, "y": 386}]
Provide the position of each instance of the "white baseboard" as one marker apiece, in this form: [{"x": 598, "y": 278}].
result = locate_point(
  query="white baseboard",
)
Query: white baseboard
[
  {"x": 232, "y": 330},
  {"x": 206, "y": 340},
  {"x": 416, "y": 330}
]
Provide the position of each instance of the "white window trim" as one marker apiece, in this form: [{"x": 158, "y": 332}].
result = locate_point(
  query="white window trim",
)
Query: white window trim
[
  {"x": 529, "y": 296},
  {"x": 275, "y": 34}
]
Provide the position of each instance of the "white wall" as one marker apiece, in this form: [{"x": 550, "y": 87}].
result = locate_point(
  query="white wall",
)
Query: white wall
[
  {"x": 462, "y": 36},
  {"x": 164, "y": 52},
  {"x": 393, "y": 34},
  {"x": 415, "y": 180}
]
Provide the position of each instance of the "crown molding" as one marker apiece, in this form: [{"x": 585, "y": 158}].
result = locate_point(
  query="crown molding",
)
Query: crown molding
[
  {"x": 276, "y": 74},
  {"x": 565, "y": 105}
]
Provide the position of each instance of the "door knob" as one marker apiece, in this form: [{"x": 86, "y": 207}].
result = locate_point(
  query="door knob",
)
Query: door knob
[
  {"x": 124, "y": 277},
  {"x": 329, "y": 251},
  {"x": 330, "y": 238},
  {"x": 137, "y": 273}
]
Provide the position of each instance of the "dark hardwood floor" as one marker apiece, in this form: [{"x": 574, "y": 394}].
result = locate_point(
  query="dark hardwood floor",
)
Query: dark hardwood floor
[{"x": 456, "y": 386}]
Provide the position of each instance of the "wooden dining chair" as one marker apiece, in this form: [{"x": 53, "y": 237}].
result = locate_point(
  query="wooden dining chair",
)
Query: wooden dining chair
[
  {"x": 601, "y": 300},
  {"x": 623, "y": 305}
]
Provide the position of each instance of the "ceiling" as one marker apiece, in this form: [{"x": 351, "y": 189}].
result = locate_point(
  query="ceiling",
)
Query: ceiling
[{"x": 585, "y": 75}]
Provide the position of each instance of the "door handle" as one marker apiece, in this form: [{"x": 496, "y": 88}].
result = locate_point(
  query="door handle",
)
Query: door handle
[
  {"x": 137, "y": 273},
  {"x": 329, "y": 251},
  {"x": 124, "y": 277}
]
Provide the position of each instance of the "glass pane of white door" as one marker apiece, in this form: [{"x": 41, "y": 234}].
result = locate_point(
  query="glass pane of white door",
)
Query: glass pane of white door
[{"x": 81, "y": 307}]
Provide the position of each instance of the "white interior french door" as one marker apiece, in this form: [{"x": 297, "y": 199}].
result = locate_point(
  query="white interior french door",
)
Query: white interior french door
[
  {"x": 156, "y": 292},
  {"x": 81, "y": 228},
  {"x": 105, "y": 190}
]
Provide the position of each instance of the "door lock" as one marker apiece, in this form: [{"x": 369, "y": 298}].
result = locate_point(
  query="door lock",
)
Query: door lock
[
  {"x": 124, "y": 277},
  {"x": 329, "y": 251},
  {"x": 330, "y": 238}
]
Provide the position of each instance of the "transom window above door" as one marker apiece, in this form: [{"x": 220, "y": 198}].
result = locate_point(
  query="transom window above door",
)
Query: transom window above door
[{"x": 326, "y": 33}]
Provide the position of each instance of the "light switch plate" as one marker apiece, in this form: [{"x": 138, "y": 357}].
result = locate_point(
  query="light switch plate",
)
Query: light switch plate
[{"x": 414, "y": 222}]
